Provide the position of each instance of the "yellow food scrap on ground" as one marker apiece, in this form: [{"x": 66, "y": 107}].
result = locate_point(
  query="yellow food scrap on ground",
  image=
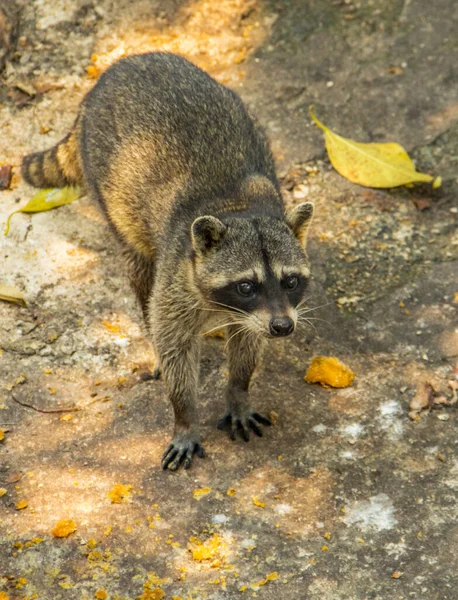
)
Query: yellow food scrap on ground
[
  {"x": 21, "y": 582},
  {"x": 204, "y": 550},
  {"x": 258, "y": 502},
  {"x": 231, "y": 492},
  {"x": 329, "y": 370},
  {"x": 108, "y": 530},
  {"x": 21, "y": 505},
  {"x": 397, "y": 575},
  {"x": 156, "y": 594},
  {"x": 272, "y": 576},
  {"x": 67, "y": 417},
  {"x": 3, "y": 491},
  {"x": 273, "y": 416},
  {"x": 111, "y": 327},
  {"x": 327, "y": 535},
  {"x": 199, "y": 493},
  {"x": 120, "y": 493},
  {"x": 92, "y": 72},
  {"x": 243, "y": 588},
  {"x": 66, "y": 585},
  {"x": 2, "y": 435},
  {"x": 64, "y": 528},
  {"x": 101, "y": 595}
]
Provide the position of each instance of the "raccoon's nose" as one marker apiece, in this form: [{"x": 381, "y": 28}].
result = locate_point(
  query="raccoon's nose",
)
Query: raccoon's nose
[{"x": 280, "y": 326}]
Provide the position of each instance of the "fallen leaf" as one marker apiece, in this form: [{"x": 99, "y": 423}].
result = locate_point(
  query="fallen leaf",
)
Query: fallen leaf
[
  {"x": 8, "y": 293},
  {"x": 423, "y": 400},
  {"x": 47, "y": 199},
  {"x": 371, "y": 165},
  {"x": 5, "y": 177},
  {"x": 3, "y": 491},
  {"x": 199, "y": 493},
  {"x": 64, "y": 528},
  {"x": 329, "y": 370},
  {"x": 21, "y": 505},
  {"x": 422, "y": 204},
  {"x": 15, "y": 477}
]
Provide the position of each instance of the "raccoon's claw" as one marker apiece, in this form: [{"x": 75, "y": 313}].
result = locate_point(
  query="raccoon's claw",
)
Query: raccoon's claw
[
  {"x": 243, "y": 424},
  {"x": 181, "y": 450}
]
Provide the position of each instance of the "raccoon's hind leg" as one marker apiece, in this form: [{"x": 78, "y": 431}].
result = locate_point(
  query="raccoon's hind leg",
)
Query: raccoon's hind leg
[
  {"x": 141, "y": 271},
  {"x": 141, "y": 275},
  {"x": 244, "y": 351}
]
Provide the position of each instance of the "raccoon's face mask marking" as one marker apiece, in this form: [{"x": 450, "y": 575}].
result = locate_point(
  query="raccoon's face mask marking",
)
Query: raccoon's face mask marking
[{"x": 254, "y": 271}]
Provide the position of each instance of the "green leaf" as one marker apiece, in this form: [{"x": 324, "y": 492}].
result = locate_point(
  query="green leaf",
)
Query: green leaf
[
  {"x": 46, "y": 200},
  {"x": 371, "y": 165}
]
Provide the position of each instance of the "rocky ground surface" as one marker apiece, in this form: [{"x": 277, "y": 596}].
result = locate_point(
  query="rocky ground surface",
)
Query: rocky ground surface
[{"x": 345, "y": 497}]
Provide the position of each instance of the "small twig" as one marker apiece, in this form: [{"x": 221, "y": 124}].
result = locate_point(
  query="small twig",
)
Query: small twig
[{"x": 45, "y": 410}]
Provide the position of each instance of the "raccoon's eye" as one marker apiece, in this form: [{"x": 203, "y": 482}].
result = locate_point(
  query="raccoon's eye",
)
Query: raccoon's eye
[
  {"x": 245, "y": 288},
  {"x": 291, "y": 282}
]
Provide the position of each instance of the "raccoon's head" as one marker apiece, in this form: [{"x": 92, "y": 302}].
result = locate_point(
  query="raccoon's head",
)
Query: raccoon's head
[{"x": 254, "y": 268}]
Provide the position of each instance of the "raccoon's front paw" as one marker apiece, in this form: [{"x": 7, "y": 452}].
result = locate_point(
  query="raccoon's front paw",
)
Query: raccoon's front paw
[
  {"x": 242, "y": 422},
  {"x": 181, "y": 450}
]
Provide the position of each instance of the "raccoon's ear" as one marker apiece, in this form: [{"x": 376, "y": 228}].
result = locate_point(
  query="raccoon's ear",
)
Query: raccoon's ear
[
  {"x": 299, "y": 218},
  {"x": 206, "y": 233}
]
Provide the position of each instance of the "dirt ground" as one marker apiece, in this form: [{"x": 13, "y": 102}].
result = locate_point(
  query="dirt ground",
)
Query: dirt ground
[{"x": 345, "y": 497}]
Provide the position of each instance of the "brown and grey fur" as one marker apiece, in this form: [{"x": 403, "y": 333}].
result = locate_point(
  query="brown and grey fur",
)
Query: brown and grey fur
[{"x": 188, "y": 183}]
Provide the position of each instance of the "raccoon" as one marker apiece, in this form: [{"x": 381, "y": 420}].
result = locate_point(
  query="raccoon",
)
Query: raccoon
[{"x": 187, "y": 180}]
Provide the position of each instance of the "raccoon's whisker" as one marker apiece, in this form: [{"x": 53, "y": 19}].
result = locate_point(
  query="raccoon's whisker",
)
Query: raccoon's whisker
[
  {"x": 221, "y": 326},
  {"x": 315, "y": 319},
  {"x": 232, "y": 308},
  {"x": 240, "y": 329},
  {"x": 306, "y": 321},
  {"x": 302, "y": 302},
  {"x": 312, "y": 308}
]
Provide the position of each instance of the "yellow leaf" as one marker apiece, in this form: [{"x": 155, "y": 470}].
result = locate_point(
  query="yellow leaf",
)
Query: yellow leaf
[
  {"x": 3, "y": 491},
  {"x": 21, "y": 505},
  {"x": 329, "y": 370},
  {"x": 199, "y": 493},
  {"x": 64, "y": 528},
  {"x": 46, "y": 200},
  {"x": 372, "y": 165},
  {"x": 9, "y": 293}
]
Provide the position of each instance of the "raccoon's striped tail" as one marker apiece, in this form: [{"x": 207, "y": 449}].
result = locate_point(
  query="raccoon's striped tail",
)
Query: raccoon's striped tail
[{"x": 57, "y": 167}]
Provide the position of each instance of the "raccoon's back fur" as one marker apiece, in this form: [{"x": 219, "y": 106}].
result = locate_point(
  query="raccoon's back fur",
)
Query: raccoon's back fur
[{"x": 155, "y": 129}]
